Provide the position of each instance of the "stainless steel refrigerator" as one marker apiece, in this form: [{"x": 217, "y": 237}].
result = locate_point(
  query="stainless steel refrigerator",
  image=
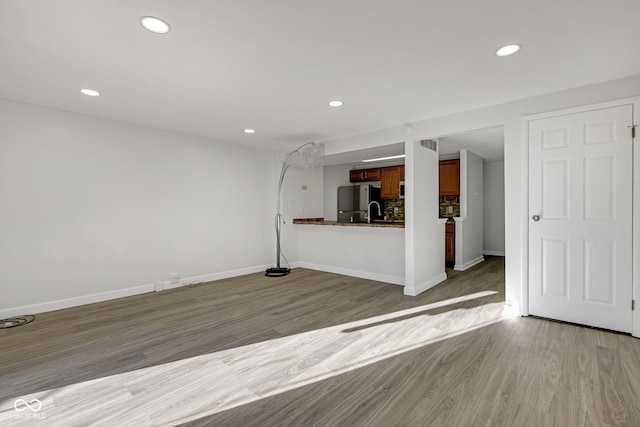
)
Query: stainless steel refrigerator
[{"x": 353, "y": 201}]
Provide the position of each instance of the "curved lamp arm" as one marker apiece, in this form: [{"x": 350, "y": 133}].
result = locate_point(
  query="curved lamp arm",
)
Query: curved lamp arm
[{"x": 278, "y": 271}]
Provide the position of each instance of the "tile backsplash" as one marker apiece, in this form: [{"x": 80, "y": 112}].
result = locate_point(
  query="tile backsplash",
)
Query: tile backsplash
[
  {"x": 449, "y": 206},
  {"x": 389, "y": 209}
]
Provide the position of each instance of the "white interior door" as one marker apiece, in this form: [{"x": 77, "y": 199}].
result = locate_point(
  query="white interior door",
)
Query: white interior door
[{"x": 580, "y": 207}]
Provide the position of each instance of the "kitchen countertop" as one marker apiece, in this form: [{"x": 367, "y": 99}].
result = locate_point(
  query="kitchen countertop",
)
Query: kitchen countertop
[
  {"x": 449, "y": 219},
  {"x": 375, "y": 223}
]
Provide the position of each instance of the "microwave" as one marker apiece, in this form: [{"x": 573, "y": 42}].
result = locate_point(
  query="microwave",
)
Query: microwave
[{"x": 401, "y": 190}]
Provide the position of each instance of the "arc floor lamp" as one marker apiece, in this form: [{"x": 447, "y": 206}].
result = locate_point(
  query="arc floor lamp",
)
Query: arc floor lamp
[{"x": 305, "y": 156}]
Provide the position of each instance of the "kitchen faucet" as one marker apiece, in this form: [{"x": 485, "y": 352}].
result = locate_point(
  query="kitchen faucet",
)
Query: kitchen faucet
[{"x": 369, "y": 211}]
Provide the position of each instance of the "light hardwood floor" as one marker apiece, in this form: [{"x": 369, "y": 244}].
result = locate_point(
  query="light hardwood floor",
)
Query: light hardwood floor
[{"x": 320, "y": 349}]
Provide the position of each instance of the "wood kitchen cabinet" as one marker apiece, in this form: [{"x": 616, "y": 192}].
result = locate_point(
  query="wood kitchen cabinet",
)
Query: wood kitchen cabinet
[
  {"x": 450, "y": 177},
  {"x": 450, "y": 244},
  {"x": 390, "y": 182},
  {"x": 389, "y": 178},
  {"x": 364, "y": 175}
]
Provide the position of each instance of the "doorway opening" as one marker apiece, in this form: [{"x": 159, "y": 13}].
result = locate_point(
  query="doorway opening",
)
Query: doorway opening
[{"x": 472, "y": 196}]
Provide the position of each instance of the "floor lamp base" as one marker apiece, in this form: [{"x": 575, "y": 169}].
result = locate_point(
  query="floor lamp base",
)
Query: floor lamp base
[{"x": 277, "y": 271}]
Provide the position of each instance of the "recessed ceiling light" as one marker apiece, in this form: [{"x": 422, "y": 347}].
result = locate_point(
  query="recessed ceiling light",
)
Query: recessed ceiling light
[
  {"x": 249, "y": 131},
  {"x": 379, "y": 159},
  {"x": 335, "y": 104},
  {"x": 509, "y": 49},
  {"x": 90, "y": 92},
  {"x": 155, "y": 25}
]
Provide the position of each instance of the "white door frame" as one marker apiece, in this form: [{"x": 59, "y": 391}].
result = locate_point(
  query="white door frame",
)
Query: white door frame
[{"x": 524, "y": 202}]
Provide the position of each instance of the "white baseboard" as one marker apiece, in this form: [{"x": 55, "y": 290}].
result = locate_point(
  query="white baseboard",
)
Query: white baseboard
[
  {"x": 74, "y": 301},
  {"x": 513, "y": 308},
  {"x": 121, "y": 293},
  {"x": 215, "y": 276},
  {"x": 395, "y": 280},
  {"x": 493, "y": 253},
  {"x": 420, "y": 288},
  {"x": 468, "y": 265}
]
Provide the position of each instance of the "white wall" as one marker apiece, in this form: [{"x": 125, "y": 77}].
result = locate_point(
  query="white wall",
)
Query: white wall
[
  {"x": 302, "y": 193},
  {"x": 469, "y": 227},
  {"x": 424, "y": 234},
  {"x": 102, "y": 208},
  {"x": 510, "y": 116},
  {"x": 334, "y": 177},
  {"x": 375, "y": 253},
  {"x": 493, "y": 208}
]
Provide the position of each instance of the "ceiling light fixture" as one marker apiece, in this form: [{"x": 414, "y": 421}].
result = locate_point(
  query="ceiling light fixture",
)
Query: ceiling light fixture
[
  {"x": 336, "y": 103},
  {"x": 379, "y": 159},
  {"x": 509, "y": 49},
  {"x": 155, "y": 25},
  {"x": 249, "y": 131},
  {"x": 89, "y": 92}
]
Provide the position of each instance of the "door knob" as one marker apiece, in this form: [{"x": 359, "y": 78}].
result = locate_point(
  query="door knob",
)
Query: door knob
[{"x": 535, "y": 218}]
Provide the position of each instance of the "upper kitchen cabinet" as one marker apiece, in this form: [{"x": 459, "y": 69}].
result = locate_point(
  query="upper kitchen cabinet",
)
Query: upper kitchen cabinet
[
  {"x": 389, "y": 178},
  {"x": 364, "y": 175},
  {"x": 390, "y": 182},
  {"x": 450, "y": 177}
]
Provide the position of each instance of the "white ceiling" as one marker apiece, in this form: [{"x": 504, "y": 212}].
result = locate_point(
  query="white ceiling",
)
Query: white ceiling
[
  {"x": 274, "y": 65},
  {"x": 486, "y": 143},
  {"x": 355, "y": 158}
]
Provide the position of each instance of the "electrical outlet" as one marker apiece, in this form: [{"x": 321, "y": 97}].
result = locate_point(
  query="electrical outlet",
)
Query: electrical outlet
[
  {"x": 304, "y": 187},
  {"x": 174, "y": 277}
]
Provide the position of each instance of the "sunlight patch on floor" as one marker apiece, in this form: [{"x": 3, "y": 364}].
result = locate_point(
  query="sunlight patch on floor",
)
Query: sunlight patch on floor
[{"x": 192, "y": 388}]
